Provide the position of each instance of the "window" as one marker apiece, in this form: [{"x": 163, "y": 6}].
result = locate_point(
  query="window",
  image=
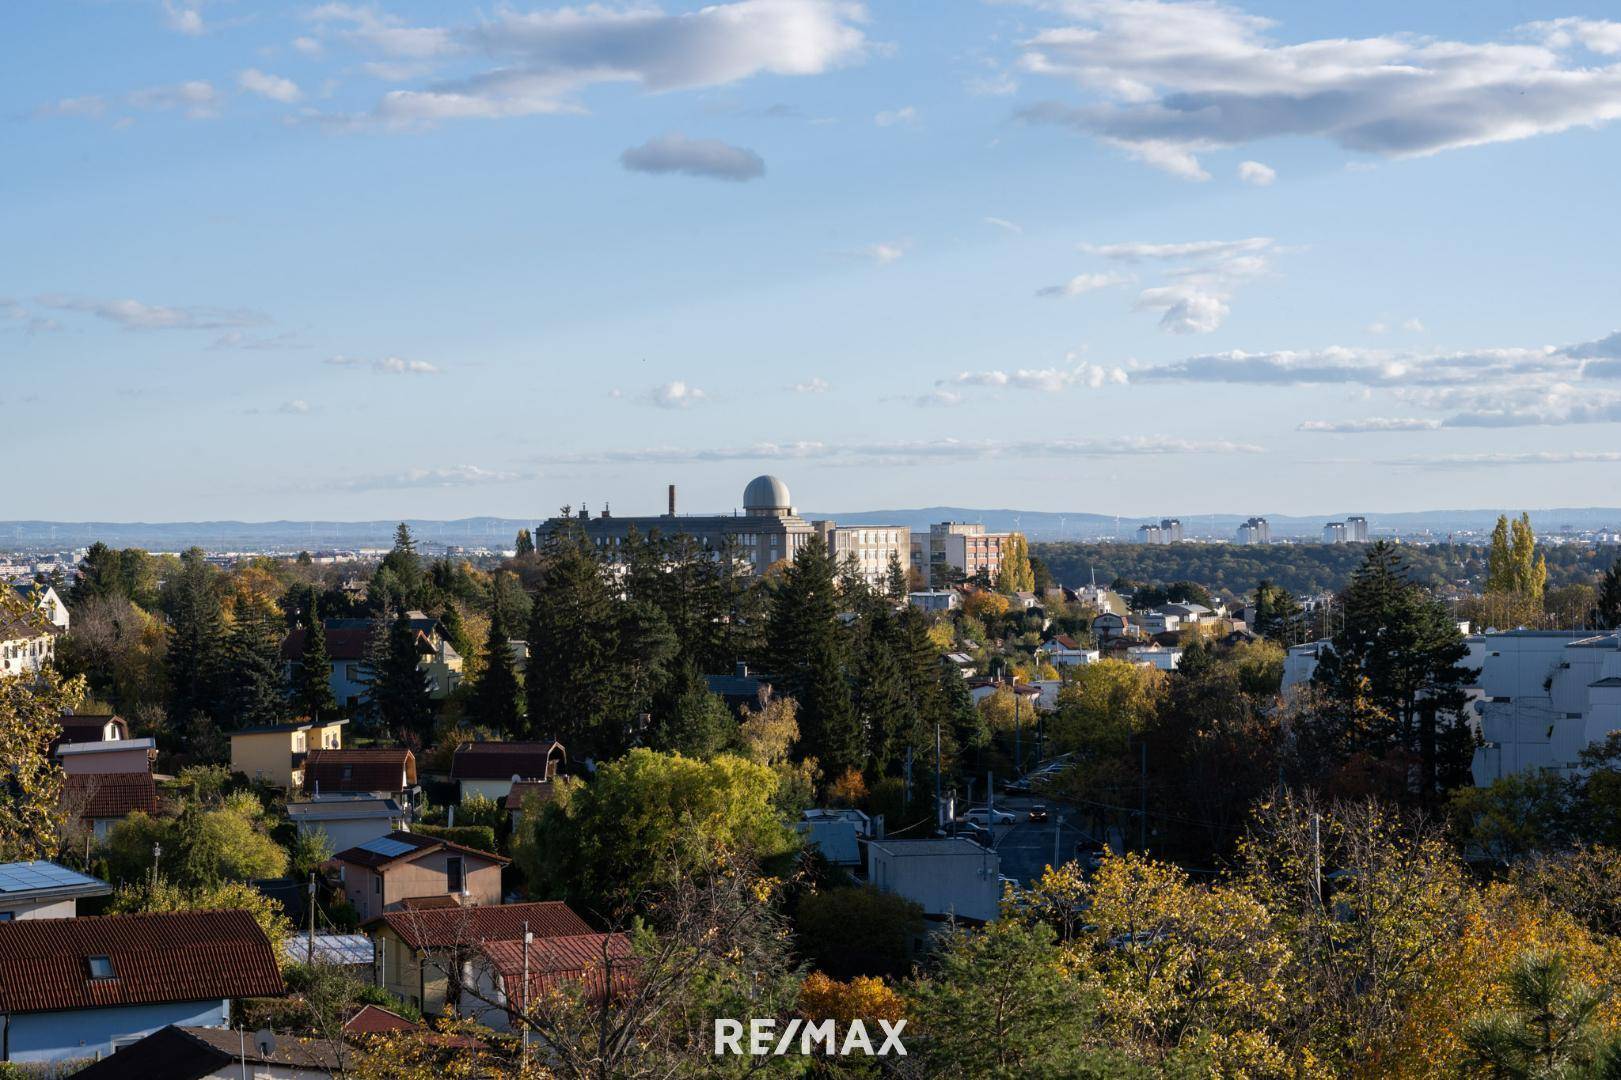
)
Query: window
[
  {"x": 377, "y": 884},
  {"x": 101, "y": 967},
  {"x": 348, "y": 772},
  {"x": 453, "y": 874}
]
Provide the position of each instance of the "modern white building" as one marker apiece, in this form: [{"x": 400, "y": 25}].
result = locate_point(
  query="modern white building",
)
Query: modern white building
[
  {"x": 1356, "y": 530},
  {"x": 1154, "y": 656},
  {"x": 1544, "y": 697},
  {"x": 1065, "y": 651},
  {"x": 870, "y": 548},
  {"x": 949, "y": 877},
  {"x": 1300, "y": 663},
  {"x": 1334, "y": 532},
  {"x": 935, "y": 599},
  {"x": 1255, "y": 531}
]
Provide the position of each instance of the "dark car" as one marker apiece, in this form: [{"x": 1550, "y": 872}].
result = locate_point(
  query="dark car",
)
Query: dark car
[{"x": 1038, "y": 813}]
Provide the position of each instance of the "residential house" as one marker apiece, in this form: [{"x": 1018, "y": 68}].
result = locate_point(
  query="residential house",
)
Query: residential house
[
  {"x": 963, "y": 663},
  {"x": 836, "y": 833},
  {"x": 44, "y": 890},
  {"x": 276, "y": 753},
  {"x": 100, "y": 728},
  {"x": 348, "y": 819},
  {"x": 374, "y": 1020},
  {"x": 348, "y": 649},
  {"x": 1543, "y": 697},
  {"x": 1109, "y": 626},
  {"x": 79, "y": 988},
  {"x": 101, "y": 800},
  {"x": 1065, "y": 651},
  {"x": 1191, "y": 614},
  {"x": 388, "y": 771},
  {"x": 417, "y": 948},
  {"x": 352, "y": 951},
  {"x": 206, "y": 1053},
  {"x": 1300, "y": 663},
  {"x": 107, "y": 756},
  {"x": 598, "y": 965},
  {"x": 42, "y": 596},
  {"x": 950, "y": 877},
  {"x": 1160, "y": 622},
  {"x": 522, "y": 792},
  {"x": 490, "y": 769},
  {"x": 27, "y": 641},
  {"x": 1025, "y": 600},
  {"x": 382, "y": 874},
  {"x": 1156, "y": 655},
  {"x": 935, "y": 599},
  {"x": 742, "y": 689}
]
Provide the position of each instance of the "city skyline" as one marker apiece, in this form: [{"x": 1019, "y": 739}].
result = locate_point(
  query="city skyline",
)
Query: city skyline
[{"x": 345, "y": 261}]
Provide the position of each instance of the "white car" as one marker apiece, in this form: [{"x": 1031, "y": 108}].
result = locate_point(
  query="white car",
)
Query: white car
[{"x": 981, "y": 816}]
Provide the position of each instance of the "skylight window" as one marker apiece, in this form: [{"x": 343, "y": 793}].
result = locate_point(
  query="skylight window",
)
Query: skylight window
[{"x": 101, "y": 967}]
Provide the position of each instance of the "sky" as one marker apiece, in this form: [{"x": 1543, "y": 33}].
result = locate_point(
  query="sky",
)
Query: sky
[{"x": 352, "y": 261}]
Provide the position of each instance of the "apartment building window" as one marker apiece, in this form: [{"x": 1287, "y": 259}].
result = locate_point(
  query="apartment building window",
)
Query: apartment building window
[{"x": 453, "y": 874}]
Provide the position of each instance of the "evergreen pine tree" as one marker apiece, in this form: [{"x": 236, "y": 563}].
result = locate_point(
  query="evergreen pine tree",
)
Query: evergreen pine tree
[
  {"x": 312, "y": 680},
  {"x": 495, "y": 699},
  {"x": 399, "y": 691},
  {"x": 197, "y": 644},
  {"x": 807, "y": 657},
  {"x": 573, "y": 646},
  {"x": 896, "y": 584},
  {"x": 254, "y": 693},
  {"x": 1609, "y": 597},
  {"x": 883, "y": 705},
  {"x": 693, "y": 721}
]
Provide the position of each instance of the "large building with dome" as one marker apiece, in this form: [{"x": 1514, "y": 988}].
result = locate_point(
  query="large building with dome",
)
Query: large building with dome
[{"x": 765, "y": 531}]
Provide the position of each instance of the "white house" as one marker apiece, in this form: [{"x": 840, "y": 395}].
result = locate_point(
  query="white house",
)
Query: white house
[
  {"x": 27, "y": 641},
  {"x": 43, "y": 597},
  {"x": 1300, "y": 663},
  {"x": 1544, "y": 697},
  {"x": 348, "y": 819},
  {"x": 1157, "y": 656},
  {"x": 1160, "y": 622},
  {"x": 935, "y": 599},
  {"x": 1065, "y": 651},
  {"x": 44, "y": 890},
  {"x": 949, "y": 876}
]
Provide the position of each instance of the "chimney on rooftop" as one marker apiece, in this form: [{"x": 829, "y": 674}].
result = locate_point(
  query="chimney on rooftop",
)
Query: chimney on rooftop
[{"x": 672, "y": 500}]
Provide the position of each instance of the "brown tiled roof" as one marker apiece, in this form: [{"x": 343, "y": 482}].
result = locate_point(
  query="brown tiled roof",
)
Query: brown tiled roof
[
  {"x": 554, "y": 961},
  {"x": 419, "y": 844},
  {"x": 371, "y": 769},
  {"x": 25, "y": 624},
  {"x": 348, "y": 644},
  {"x": 494, "y": 922},
  {"x": 504, "y": 760},
  {"x": 541, "y": 789},
  {"x": 111, "y": 795},
  {"x": 182, "y": 956},
  {"x": 430, "y": 903},
  {"x": 376, "y": 1020}
]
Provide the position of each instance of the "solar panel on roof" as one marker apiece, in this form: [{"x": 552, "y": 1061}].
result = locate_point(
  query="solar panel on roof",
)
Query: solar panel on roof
[
  {"x": 29, "y": 876},
  {"x": 387, "y": 847}
]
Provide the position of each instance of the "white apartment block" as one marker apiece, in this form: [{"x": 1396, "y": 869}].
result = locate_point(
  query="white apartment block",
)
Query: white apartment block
[
  {"x": 1545, "y": 695},
  {"x": 869, "y": 547},
  {"x": 1255, "y": 531}
]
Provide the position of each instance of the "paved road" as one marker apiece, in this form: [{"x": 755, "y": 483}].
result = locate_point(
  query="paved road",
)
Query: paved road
[{"x": 1026, "y": 846}]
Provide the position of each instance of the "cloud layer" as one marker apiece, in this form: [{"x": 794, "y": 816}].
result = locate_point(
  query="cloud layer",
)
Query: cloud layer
[
  {"x": 711, "y": 158},
  {"x": 1167, "y": 80}
]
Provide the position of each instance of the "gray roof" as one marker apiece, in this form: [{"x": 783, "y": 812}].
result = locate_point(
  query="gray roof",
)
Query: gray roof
[
  {"x": 329, "y": 809},
  {"x": 106, "y": 746},
  {"x": 46, "y": 880},
  {"x": 766, "y": 493},
  {"x": 950, "y": 845}
]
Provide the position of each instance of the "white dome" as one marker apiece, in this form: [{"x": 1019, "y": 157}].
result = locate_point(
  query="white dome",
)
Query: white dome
[{"x": 766, "y": 494}]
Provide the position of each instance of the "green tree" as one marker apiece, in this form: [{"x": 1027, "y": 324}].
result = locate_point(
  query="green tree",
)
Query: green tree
[
  {"x": 196, "y": 655},
  {"x": 1015, "y": 575},
  {"x": 808, "y": 655},
  {"x": 147, "y": 897},
  {"x": 1402, "y": 650},
  {"x": 524, "y": 545},
  {"x": 1609, "y": 597},
  {"x": 1513, "y": 565},
  {"x": 1549, "y": 1030},
  {"x": 399, "y": 690},
  {"x": 496, "y": 695},
  {"x": 896, "y": 582},
  {"x": 857, "y": 930},
  {"x": 31, "y": 815},
  {"x": 693, "y": 721},
  {"x": 574, "y": 689},
  {"x": 645, "y": 817},
  {"x": 254, "y": 692},
  {"x": 883, "y": 704},
  {"x": 997, "y": 1003},
  {"x": 312, "y": 679}
]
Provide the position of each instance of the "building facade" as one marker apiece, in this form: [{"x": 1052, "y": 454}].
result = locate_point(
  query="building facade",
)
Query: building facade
[
  {"x": 961, "y": 546},
  {"x": 1255, "y": 531},
  {"x": 869, "y": 548}
]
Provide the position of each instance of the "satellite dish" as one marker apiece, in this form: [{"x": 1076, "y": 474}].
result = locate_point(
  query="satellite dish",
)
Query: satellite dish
[{"x": 265, "y": 1040}]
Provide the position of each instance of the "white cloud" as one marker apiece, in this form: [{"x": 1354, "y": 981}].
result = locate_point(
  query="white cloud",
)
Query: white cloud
[
  {"x": 676, "y": 395},
  {"x": 134, "y": 315},
  {"x": 906, "y": 114},
  {"x": 1005, "y": 225},
  {"x": 539, "y": 62},
  {"x": 386, "y": 365},
  {"x": 1047, "y": 380},
  {"x": 1372, "y": 423},
  {"x": 1256, "y": 174},
  {"x": 1212, "y": 250},
  {"x": 915, "y": 452},
  {"x": 89, "y": 105},
  {"x": 885, "y": 252},
  {"x": 1413, "y": 326},
  {"x": 1498, "y": 460},
  {"x": 1377, "y": 328},
  {"x": 1186, "y": 311},
  {"x": 1085, "y": 283},
  {"x": 296, "y": 407},
  {"x": 184, "y": 18},
  {"x": 198, "y": 99},
  {"x": 1202, "y": 276},
  {"x": 711, "y": 158},
  {"x": 1167, "y": 80},
  {"x": 814, "y": 385},
  {"x": 274, "y": 87},
  {"x": 938, "y": 399},
  {"x": 451, "y": 476},
  {"x": 308, "y": 46}
]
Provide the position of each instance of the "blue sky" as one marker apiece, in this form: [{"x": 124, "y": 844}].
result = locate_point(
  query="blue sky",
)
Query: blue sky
[{"x": 354, "y": 261}]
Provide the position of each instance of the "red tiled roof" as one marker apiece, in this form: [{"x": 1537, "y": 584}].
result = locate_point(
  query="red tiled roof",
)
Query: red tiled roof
[
  {"x": 555, "y": 961},
  {"x": 1067, "y": 642},
  {"x": 371, "y": 769},
  {"x": 542, "y": 789},
  {"x": 111, "y": 795},
  {"x": 340, "y": 644},
  {"x": 504, "y": 760},
  {"x": 503, "y": 922},
  {"x": 182, "y": 956},
  {"x": 420, "y": 844},
  {"x": 376, "y": 1020}
]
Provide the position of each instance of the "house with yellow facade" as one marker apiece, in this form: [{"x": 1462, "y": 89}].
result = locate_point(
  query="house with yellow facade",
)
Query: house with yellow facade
[{"x": 276, "y": 753}]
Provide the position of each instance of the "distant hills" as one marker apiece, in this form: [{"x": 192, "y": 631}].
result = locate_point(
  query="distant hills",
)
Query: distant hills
[{"x": 496, "y": 532}]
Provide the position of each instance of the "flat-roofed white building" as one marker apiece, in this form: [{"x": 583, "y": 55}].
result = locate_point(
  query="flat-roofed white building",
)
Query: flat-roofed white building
[
  {"x": 950, "y": 876},
  {"x": 870, "y": 548}
]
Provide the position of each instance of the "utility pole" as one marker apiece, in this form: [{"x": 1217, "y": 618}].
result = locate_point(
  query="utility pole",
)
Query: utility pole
[
  {"x": 1058, "y": 831},
  {"x": 937, "y": 803},
  {"x": 311, "y": 960},
  {"x": 1317, "y": 856},
  {"x": 1018, "y": 762},
  {"x": 528, "y": 939}
]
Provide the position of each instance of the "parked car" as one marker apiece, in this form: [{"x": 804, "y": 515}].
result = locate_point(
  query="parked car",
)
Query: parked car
[
  {"x": 1038, "y": 812},
  {"x": 1089, "y": 853},
  {"x": 979, "y": 815}
]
